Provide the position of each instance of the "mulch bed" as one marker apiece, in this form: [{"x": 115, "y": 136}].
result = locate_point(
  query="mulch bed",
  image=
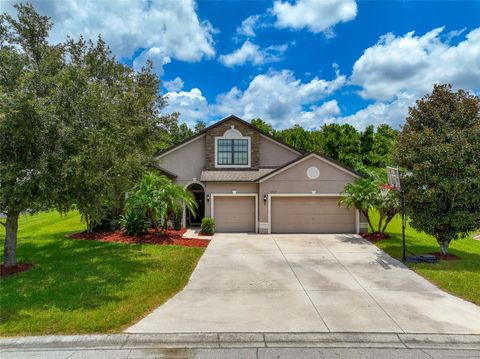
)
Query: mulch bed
[
  {"x": 20, "y": 267},
  {"x": 169, "y": 237},
  {"x": 375, "y": 237},
  {"x": 445, "y": 257}
]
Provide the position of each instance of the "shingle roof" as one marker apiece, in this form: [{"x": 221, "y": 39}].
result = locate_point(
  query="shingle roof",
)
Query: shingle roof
[{"x": 234, "y": 176}]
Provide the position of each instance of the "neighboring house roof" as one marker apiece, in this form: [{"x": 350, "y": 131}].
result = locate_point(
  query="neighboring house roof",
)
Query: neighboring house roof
[
  {"x": 234, "y": 176},
  {"x": 230, "y": 117},
  {"x": 303, "y": 158}
]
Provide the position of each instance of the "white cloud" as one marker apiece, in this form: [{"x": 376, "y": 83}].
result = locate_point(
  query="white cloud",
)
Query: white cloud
[
  {"x": 277, "y": 97},
  {"x": 315, "y": 15},
  {"x": 412, "y": 64},
  {"x": 280, "y": 98},
  {"x": 192, "y": 105},
  {"x": 174, "y": 85},
  {"x": 247, "y": 28},
  {"x": 318, "y": 115},
  {"x": 166, "y": 29},
  {"x": 252, "y": 53},
  {"x": 392, "y": 113}
]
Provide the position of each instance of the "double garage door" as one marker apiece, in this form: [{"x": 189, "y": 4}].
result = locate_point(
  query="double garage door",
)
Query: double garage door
[
  {"x": 310, "y": 215},
  {"x": 288, "y": 215}
]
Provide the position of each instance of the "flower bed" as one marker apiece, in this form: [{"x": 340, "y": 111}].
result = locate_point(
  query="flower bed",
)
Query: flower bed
[
  {"x": 375, "y": 237},
  {"x": 445, "y": 257},
  {"x": 169, "y": 237}
]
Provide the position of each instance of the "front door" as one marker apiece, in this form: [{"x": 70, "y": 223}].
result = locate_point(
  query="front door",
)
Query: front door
[{"x": 200, "y": 212}]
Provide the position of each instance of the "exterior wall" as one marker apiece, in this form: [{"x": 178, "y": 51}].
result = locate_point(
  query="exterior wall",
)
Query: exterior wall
[
  {"x": 363, "y": 223},
  {"x": 227, "y": 187},
  {"x": 295, "y": 180},
  {"x": 219, "y": 130},
  {"x": 273, "y": 154},
  {"x": 186, "y": 162}
]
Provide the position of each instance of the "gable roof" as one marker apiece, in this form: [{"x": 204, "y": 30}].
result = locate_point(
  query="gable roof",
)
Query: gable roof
[
  {"x": 230, "y": 117},
  {"x": 306, "y": 156}
]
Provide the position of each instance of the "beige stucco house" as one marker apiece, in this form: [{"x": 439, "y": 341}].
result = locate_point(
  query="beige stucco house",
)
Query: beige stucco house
[{"x": 250, "y": 182}]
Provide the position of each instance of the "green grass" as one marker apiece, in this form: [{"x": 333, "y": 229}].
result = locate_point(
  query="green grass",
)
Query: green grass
[
  {"x": 458, "y": 277},
  {"x": 78, "y": 286}
]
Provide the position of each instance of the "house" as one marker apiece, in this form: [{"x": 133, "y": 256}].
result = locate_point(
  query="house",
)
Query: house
[{"x": 250, "y": 182}]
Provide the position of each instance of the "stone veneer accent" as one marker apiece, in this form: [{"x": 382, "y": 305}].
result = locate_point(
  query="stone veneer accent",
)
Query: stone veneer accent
[{"x": 219, "y": 130}]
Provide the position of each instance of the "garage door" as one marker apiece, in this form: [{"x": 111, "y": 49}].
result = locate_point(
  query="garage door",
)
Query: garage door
[
  {"x": 311, "y": 215},
  {"x": 234, "y": 214}
]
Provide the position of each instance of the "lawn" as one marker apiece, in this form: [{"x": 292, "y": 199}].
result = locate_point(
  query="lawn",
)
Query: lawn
[
  {"x": 80, "y": 286},
  {"x": 458, "y": 277}
]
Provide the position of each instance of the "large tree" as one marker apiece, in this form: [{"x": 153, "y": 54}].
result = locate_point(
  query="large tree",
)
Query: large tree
[
  {"x": 439, "y": 148},
  {"x": 30, "y": 131},
  {"x": 76, "y": 126},
  {"x": 112, "y": 125}
]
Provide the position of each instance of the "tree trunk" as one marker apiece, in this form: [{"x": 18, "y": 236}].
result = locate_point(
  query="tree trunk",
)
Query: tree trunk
[
  {"x": 444, "y": 246},
  {"x": 11, "y": 229},
  {"x": 380, "y": 221},
  {"x": 365, "y": 213},
  {"x": 387, "y": 221}
]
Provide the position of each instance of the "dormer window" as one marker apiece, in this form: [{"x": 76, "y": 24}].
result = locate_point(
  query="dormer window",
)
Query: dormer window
[{"x": 232, "y": 149}]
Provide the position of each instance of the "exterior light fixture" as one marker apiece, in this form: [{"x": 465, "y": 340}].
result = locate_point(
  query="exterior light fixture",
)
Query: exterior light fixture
[
  {"x": 208, "y": 197},
  {"x": 265, "y": 198}
]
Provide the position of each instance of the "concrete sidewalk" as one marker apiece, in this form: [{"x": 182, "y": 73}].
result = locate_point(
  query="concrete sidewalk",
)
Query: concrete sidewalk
[
  {"x": 242, "y": 345},
  {"x": 307, "y": 283}
]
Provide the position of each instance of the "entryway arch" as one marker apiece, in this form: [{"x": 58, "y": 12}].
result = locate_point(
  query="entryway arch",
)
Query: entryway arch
[{"x": 198, "y": 191}]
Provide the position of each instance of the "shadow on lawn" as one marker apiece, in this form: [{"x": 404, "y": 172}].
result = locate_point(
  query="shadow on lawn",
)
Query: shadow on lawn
[
  {"x": 70, "y": 274},
  {"x": 468, "y": 261}
]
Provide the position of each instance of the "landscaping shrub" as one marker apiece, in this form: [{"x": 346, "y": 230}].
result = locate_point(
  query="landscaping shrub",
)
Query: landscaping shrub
[
  {"x": 134, "y": 223},
  {"x": 208, "y": 226}
]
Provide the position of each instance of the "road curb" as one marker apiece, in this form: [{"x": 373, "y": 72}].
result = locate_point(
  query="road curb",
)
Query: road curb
[{"x": 242, "y": 340}]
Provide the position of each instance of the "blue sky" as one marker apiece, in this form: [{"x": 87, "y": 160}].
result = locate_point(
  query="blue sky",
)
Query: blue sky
[{"x": 306, "y": 61}]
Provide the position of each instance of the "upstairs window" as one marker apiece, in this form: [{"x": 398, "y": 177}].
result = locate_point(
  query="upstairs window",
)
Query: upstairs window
[
  {"x": 232, "y": 149},
  {"x": 232, "y": 152}
]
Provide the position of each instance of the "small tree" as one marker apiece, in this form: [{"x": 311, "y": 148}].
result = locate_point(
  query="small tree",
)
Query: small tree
[
  {"x": 361, "y": 195},
  {"x": 439, "y": 146},
  {"x": 365, "y": 195},
  {"x": 387, "y": 206}
]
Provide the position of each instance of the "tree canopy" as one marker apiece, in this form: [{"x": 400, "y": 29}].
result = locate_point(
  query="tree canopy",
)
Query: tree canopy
[
  {"x": 439, "y": 148},
  {"x": 77, "y": 127},
  {"x": 357, "y": 149}
]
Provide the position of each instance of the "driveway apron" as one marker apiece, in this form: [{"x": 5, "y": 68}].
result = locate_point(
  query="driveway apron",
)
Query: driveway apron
[{"x": 307, "y": 283}]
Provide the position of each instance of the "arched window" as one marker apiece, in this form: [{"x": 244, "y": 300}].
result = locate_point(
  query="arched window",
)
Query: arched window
[{"x": 232, "y": 149}]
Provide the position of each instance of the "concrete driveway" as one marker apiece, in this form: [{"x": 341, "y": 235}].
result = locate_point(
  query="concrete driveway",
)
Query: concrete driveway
[{"x": 307, "y": 283}]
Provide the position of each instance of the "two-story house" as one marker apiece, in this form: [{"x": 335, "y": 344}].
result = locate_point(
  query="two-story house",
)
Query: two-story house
[{"x": 250, "y": 182}]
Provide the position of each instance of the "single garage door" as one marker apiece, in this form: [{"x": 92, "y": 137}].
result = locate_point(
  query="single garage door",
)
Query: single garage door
[
  {"x": 311, "y": 215},
  {"x": 234, "y": 214}
]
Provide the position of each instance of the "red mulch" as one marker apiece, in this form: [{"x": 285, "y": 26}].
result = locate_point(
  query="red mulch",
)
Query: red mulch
[
  {"x": 169, "y": 237},
  {"x": 20, "y": 267},
  {"x": 375, "y": 237},
  {"x": 445, "y": 257}
]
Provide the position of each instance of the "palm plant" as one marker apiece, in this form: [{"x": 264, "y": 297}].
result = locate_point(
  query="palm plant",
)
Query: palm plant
[
  {"x": 362, "y": 195},
  {"x": 158, "y": 199},
  {"x": 173, "y": 198}
]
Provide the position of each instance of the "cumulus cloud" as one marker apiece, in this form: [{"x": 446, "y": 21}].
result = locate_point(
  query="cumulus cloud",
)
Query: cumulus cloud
[
  {"x": 165, "y": 29},
  {"x": 280, "y": 98},
  {"x": 174, "y": 85},
  {"x": 316, "y": 16},
  {"x": 192, "y": 105},
  {"x": 277, "y": 97},
  {"x": 392, "y": 113},
  {"x": 412, "y": 64},
  {"x": 252, "y": 53}
]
